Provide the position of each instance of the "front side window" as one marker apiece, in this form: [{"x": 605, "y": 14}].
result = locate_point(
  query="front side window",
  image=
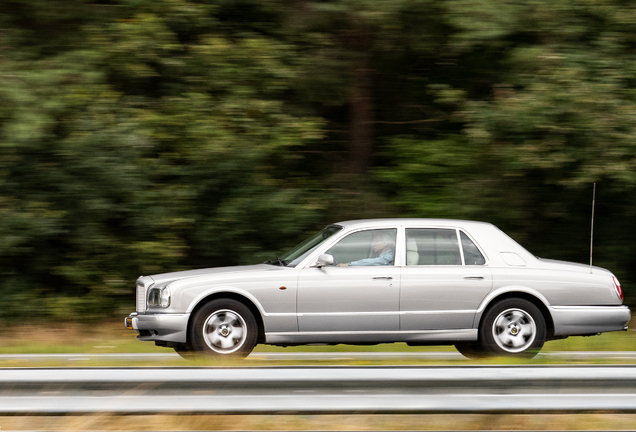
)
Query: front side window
[
  {"x": 429, "y": 246},
  {"x": 366, "y": 248}
]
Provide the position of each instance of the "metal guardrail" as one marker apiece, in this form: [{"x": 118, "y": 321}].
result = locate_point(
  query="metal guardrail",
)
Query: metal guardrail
[{"x": 318, "y": 390}]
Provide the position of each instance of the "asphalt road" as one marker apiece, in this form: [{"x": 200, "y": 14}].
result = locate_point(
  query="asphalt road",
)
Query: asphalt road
[{"x": 254, "y": 390}]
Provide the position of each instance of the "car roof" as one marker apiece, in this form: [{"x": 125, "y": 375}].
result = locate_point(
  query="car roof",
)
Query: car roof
[{"x": 410, "y": 221}]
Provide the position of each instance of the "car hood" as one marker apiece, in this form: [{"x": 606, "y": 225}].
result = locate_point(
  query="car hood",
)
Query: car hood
[{"x": 168, "y": 277}]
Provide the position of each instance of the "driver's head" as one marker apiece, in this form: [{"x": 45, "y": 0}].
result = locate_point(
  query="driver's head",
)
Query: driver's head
[{"x": 382, "y": 242}]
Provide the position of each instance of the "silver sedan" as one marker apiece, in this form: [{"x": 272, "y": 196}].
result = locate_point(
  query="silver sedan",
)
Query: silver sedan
[{"x": 419, "y": 281}]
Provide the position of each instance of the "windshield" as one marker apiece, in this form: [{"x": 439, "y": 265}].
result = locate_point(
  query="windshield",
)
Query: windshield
[{"x": 300, "y": 252}]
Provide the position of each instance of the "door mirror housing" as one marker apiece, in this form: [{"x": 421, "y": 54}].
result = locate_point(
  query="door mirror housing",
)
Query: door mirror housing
[{"x": 324, "y": 260}]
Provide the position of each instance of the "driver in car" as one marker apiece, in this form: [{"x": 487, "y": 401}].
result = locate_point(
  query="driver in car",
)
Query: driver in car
[{"x": 382, "y": 245}]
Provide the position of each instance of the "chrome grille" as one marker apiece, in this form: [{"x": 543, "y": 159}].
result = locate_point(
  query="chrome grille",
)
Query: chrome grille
[{"x": 141, "y": 297}]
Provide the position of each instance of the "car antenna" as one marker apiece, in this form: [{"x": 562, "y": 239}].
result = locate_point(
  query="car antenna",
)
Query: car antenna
[{"x": 592, "y": 226}]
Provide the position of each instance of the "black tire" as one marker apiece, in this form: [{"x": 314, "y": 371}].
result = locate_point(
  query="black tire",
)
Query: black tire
[
  {"x": 224, "y": 328},
  {"x": 471, "y": 350},
  {"x": 185, "y": 351},
  {"x": 513, "y": 327}
]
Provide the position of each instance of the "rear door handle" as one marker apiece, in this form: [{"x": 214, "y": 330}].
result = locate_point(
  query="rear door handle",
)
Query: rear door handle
[
  {"x": 382, "y": 277},
  {"x": 474, "y": 277}
]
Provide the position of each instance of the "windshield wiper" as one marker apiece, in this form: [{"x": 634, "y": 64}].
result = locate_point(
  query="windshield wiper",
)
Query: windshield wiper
[{"x": 277, "y": 261}]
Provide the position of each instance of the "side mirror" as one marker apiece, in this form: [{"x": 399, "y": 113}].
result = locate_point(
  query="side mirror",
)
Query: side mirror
[{"x": 324, "y": 260}]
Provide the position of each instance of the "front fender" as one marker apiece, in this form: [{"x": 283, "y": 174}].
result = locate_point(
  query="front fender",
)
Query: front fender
[
  {"x": 272, "y": 321},
  {"x": 196, "y": 300}
]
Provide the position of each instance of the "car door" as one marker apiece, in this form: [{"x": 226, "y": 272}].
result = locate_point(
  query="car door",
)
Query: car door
[
  {"x": 442, "y": 283},
  {"x": 359, "y": 293}
]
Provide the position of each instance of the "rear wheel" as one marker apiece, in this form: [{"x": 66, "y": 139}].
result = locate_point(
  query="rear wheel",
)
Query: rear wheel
[
  {"x": 513, "y": 327},
  {"x": 224, "y": 328}
]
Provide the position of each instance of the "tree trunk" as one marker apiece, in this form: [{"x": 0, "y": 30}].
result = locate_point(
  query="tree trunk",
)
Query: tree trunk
[{"x": 361, "y": 106}]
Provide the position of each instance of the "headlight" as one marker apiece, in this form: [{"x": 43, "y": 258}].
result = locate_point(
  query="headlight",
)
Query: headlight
[{"x": 159, "y": 297}]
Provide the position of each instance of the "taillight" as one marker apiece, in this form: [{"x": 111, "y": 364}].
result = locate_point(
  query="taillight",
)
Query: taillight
[{"x": 617, "y": 286}]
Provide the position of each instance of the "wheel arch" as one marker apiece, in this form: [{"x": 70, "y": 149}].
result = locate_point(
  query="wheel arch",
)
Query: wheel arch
[
  {"x": 233, "y": 296},
  {"x": 535, "y": 300}
]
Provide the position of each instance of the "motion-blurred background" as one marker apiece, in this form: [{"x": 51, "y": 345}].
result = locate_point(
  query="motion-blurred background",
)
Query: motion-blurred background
[{"x": 143, "y": 136}]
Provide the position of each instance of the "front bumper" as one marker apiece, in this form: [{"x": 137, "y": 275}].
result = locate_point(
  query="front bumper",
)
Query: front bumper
[
  {"x": 159, "y": 327},
  {"x": 589, "y": 320}
]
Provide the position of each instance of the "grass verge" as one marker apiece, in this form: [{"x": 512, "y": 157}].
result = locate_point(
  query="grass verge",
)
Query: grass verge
[{"x": 353, "y": 422}]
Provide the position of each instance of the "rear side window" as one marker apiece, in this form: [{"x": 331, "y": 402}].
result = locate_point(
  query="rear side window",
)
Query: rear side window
[
  {"x": 472, "y": 256},
  {"x": 429, "y": 246}
]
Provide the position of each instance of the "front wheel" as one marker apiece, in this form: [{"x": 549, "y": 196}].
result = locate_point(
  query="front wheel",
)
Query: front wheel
[
  {"x": 513, "y": 327},
  {"x": 224, "y": 328},
  {"x": 471, "y": 350},
  {"x": 185, "y": 351}
]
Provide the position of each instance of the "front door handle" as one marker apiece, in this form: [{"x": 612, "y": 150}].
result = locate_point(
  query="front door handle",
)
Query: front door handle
[
  {"x": 382, "y": 277},
  {"x": 474, "y": 277}
]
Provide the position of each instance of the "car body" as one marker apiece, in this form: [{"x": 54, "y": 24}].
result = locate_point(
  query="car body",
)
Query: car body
[{"x": 440, "y": 282}]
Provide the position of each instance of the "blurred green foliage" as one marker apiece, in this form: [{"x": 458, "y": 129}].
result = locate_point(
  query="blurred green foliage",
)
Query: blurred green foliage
[{"x": 142, "y": 136}]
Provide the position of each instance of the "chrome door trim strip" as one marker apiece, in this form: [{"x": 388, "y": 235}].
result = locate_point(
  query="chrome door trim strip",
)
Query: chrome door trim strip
[
  {"x": 440, "y": 312},
  {"x": 326, "y": 314},
  {"x": 280, "y": 314},
  {"x": 589, "y": 307}
]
